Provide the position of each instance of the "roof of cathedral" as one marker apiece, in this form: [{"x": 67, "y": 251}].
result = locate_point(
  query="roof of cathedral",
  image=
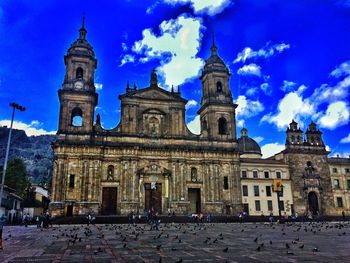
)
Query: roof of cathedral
[
  {"x": 247, "y": 144},
  {"x": 153, "y": 91},
  {"x": 214, "y": 62},
  {"x": 81, "y": 46}
]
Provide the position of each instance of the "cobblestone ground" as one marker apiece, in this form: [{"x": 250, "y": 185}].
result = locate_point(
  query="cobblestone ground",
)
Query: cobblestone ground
[{"x": 300, "y": 242}]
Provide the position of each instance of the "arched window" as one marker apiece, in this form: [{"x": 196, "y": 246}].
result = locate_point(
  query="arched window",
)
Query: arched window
[
  {"x": 194, "y": 176},
  {"x": 79, "y": 73},
  {"x": 77, "y": 117},
  {"x": 293, "y": 139},
  {"x": 222, "y": 123},
  {"x": 110, "y": 173},
  {"x": 218, "y": 86}
]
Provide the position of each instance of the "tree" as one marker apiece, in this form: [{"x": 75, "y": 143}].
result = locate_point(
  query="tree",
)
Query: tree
[{"x": 16, "y": 176}]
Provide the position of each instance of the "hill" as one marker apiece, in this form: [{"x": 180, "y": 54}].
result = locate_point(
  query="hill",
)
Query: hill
[{"x": 34, "y": 150}]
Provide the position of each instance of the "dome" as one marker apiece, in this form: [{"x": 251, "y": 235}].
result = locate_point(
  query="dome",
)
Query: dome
[
  {"x": 247, "y": 145},
  {"x": 81, "y": 46},
  {"x": 214, "y": 63}
]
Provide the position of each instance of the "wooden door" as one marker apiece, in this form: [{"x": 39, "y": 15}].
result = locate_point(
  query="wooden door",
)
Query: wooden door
[
  {"x": 153, "y": 197},
  {"x": 194, "y": 196},
  {"x": 109, "y": 201}
]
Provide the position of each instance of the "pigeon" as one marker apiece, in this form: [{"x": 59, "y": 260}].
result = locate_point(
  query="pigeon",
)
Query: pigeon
[
  {"x": 225, "y": 249},
  {"x": 290, "y": 252},
  {"x": 179, "y": 261},
  {"x": 315, "y": 249},
  {"x": 256, "y": 239},
  {"x": 287, "y": 246},
  {"x": 258, "y": 248},
  {"x": 159, "y": 246}
]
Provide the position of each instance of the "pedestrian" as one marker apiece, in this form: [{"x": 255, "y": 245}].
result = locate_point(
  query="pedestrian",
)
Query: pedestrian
[
  {"x": 201, "y": 217},
  {"x": 271, "y": 218},
  {"x": 156, "y": 222},
  {"x": 343, "y": 214},
  {"x": 2, "y": 223},
  {"x": 89, "y": 217},
  {"x": 26, "y": 220},
  {"x": 46, "y": 220},
  {"x": 38, "y": 220},
  {"x": 131, "y": 218},
  {"x": 240, "y": 218}
]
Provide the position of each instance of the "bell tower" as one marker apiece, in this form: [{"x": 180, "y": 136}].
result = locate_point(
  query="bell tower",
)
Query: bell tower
[
  {"x": 78, "y": 97},
  {"x": 217, "y": 111}
]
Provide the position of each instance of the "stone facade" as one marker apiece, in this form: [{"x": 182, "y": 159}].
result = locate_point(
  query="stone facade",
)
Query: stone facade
[{"x": 152, "y": 160}]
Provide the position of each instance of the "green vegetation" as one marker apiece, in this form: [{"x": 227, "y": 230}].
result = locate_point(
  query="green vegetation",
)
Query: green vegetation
[{"x": 16, "y": 176}]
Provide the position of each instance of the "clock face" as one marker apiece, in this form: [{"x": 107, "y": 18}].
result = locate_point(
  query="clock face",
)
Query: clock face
[{"x": 78, "y": 85}]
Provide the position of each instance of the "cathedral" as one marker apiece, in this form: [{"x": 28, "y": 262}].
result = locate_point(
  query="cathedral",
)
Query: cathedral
[{"x": 151, "y": 160}]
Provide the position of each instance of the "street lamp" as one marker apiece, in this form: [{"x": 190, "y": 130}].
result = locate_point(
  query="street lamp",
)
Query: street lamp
[
  {"x": 277, "y": 187},
  {"x": 20, "y": 108}
]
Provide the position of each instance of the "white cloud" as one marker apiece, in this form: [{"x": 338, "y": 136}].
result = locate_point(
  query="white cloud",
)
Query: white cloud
[
  {"x": 195, "y": 126},
  {"x": 326, "y": 93},
  {"x": 258, "y": 139},
  {"x": 328, "y": 148},
  {"x": 240, "y": 123},
  {"x": 265, "y": 87},
  {"x": 30, "y": 129},
  {"x": 248, "y": 108},
  {"x": 268, "y": 51},
  {"x": 345, "y": 139},
  {"x": 251, "y": 91},
  {"x": 251, "y": 69},
  {"x": 98, "y": 86},
  {"x": 176, "y": 47},
  {"x": 341, "y": 70},
  {"x": 191, "y": 104},
  {"x": 271, "y": 149},
  {"x": 337, "y": 114},
  {"x": 151, "y": 8},
  {"x": 291, "y": 106},
  {"x": 124, "y": 47},
  {"x": 288, "y": 86},
  {"x": 127, "y": 59},
  {"x": 209, "y": 7}
]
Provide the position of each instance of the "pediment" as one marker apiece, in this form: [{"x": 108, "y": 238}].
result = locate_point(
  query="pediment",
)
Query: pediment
[{"x": 155, "y": 93}]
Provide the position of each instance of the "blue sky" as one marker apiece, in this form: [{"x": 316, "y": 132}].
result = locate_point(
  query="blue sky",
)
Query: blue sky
[{"x": 288, "y": 59}]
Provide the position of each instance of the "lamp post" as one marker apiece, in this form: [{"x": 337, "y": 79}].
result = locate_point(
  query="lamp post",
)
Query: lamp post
[
  {"x": 20, "y": 108},
  {"x": 277, "y": 187}
]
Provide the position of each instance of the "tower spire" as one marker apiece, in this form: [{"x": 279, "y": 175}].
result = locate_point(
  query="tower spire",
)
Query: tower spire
[
  {"x": 213, "y": 46},
  {"x": 82, "y": 30}
]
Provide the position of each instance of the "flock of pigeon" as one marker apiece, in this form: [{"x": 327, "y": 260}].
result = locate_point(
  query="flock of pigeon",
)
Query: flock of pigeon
[{"x": 182, "y": 242}]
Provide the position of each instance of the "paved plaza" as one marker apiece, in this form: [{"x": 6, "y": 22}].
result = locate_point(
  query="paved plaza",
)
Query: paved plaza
[{"x": 233, "y": 242}]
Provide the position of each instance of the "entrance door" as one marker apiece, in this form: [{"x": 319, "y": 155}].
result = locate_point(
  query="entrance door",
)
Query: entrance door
[
  {"x": 194, "y": 196},
  {"x": 153, "y": 197},
  {"x": 109, "y": 201},
  {"x": 69, "y": 210},
  {"x": 313, "y": 203}
]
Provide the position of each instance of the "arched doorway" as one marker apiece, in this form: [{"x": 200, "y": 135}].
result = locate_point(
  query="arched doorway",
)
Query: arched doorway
[{"x": 313, "y": 203}]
